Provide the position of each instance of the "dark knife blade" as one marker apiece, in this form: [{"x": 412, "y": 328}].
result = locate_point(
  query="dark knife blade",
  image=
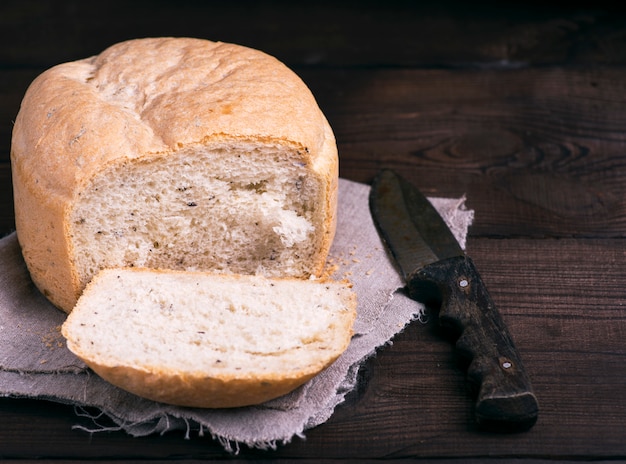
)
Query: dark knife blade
[{"x": 438, "y": 272}]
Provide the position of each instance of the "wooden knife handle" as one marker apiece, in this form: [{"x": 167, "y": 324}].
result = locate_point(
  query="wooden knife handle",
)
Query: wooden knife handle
[{"x": 505, "y": 399}]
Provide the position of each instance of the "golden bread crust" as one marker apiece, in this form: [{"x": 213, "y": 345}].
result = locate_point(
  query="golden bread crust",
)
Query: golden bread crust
[
  {"x": 202, "y": 390},
  {"x": 139, "y": 99}
]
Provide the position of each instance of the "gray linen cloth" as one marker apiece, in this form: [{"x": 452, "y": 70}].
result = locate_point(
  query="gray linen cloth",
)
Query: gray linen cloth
[{"x": 35, "y": 363}]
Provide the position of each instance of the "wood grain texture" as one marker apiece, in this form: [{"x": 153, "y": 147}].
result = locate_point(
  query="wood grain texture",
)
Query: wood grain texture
[
  {"x": 413, "y": 397},
  {"x": 7, "y": 214},
  {"x": 13, "y": 85},
  {"x": 449, "y": 33},
  {"x": 573, "y": 351},
  {"x": 519, "y": 106},
  {"x": 538, "y": 152}
]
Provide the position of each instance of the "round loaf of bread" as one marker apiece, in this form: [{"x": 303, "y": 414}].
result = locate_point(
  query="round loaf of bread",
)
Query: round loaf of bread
[{"x": 171, "y": 153}]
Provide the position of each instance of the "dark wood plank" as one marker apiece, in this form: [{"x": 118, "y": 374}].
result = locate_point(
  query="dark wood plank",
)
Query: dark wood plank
[
  {"x": 446, "y": 33},
  {"x": 563, "y": 303},
  {"x": 7, "y": 215},
  {"x": 13, "y": 85},
  {"x": 568, "y": 322},
  {"x": 539, "y": 152},
  {"x": 51, "y": 436}
]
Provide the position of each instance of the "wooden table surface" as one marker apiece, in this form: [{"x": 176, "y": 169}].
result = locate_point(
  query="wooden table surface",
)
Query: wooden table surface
[{"x": 520, "y": 108}]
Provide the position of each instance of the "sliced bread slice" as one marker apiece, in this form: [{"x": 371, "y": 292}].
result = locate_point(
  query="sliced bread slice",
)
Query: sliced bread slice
[{"x": 207, "y": 340}]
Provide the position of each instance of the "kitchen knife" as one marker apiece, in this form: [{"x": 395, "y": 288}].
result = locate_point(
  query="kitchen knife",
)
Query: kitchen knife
[{"x": 437, "y": 272}]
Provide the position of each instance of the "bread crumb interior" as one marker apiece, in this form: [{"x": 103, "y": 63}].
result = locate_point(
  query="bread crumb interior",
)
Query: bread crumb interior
[
  {"x": 189, "y": 323},
  {"x": 233, "y": 207}
]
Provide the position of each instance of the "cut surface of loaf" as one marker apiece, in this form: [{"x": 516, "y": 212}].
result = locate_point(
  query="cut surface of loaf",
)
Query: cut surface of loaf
[
  {"x": 237, "y": 207},
  {"x": 204, "y": 340},
  {"x": 171, "y": 153}
]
